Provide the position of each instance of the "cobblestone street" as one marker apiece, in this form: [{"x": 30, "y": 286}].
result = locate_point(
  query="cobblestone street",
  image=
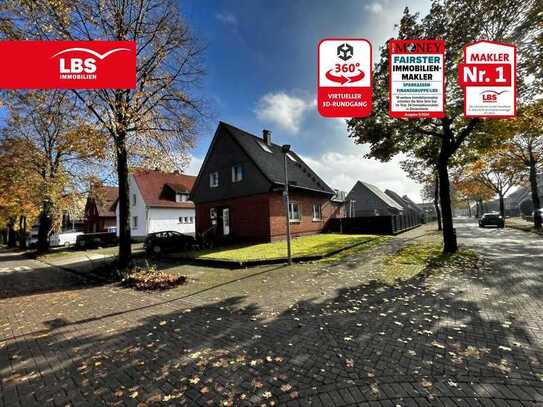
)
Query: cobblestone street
[{"x": 471, "y": 338}]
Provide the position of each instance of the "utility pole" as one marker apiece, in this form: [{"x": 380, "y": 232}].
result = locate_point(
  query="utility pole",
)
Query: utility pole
[{"x": 286, "y": 148}]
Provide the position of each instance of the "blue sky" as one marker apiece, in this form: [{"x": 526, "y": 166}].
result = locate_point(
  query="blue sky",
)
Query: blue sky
[{"x": 261, "y": 73}]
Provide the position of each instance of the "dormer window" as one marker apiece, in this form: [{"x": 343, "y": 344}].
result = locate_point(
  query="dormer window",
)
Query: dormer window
[{"x": 180, "y": 197}]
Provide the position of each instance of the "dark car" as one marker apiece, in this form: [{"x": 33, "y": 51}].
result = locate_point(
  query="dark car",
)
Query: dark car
[
  {"x": 161, "y": 242},
  {"x": 491, "y": 219},
  {"x": 94, "y": 240}
]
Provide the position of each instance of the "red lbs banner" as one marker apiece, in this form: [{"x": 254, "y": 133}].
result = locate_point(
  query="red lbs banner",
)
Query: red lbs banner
[
  {"x": 68, "y": 64},
  {"x": 488, "y": 76},
  {"x": 344, "y": 77},
  {"x": 416, "y": 78}
]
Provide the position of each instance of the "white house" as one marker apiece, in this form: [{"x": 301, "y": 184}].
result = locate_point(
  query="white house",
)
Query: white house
[{"x": 159, "y": 201}]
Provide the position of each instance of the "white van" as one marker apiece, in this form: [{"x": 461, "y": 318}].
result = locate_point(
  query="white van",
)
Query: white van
[{"x": 64, "y": 239}]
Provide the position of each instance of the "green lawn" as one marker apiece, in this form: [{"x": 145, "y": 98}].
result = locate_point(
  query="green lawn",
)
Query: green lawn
[{"x": 315, "y": 245}]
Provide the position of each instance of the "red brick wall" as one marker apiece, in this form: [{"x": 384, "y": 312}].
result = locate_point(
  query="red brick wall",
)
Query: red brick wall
[
  {"x": 306, "y": 226},
  {"x": 249, "y": 216}
]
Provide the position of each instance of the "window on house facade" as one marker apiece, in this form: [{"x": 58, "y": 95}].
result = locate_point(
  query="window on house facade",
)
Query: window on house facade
[
  {"x": 237, "y": 173},
  {"x": 135, "y": 222},
  {"x": 179, "y": 197},
  {"x": 294, "y": 212},
  {"x": 133, "y": 199},
  {"x": 191, "y": 219},
  {"x": 180, "y": 219},
  {"x": 214, "y": 179},
  {"x": 317, "y": 215},
  {"x": 213, "y": 213}
]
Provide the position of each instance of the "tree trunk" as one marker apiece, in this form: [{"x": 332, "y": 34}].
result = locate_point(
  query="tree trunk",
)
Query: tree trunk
[
  {"x": 12, "y": 237},
  {"x": 125, "y": 248},
  {"x": 436, "y": 202},
  {"x": 502, "y": 205},
  {"x": 535, "y": 194},
  {"x": 22, "y": 232},
  {"x": 450, "y": 244},
  {"x": 469, "y": 208},
  {"x": 46, "y": 222}
]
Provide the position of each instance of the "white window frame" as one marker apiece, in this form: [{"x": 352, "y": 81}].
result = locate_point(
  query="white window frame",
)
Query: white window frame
[
  {"x": 180, "y": 220},
  {"x": 317, "y": 217},
  {"x": 181, "y": 197},
  {"x": 291, "y": 212},
  {"x": 212, "y": 213},
  {"x": 237, "y": 173},
  {"x": 214, "y": 179}
]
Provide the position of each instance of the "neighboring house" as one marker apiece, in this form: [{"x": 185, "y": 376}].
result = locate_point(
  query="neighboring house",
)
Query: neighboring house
[
  {"x": 429, "y": 210},
  {"x": 368, "y": 200},
  {"x": 398, "y": 199},
  {"x": 239, "y": 190},
  {"x": 100, "y": 209},
  {"x": 160, "y": 201},
  {"x": 413, "y": 205}
]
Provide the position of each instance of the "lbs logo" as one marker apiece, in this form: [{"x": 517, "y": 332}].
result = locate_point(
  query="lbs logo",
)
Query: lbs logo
[
  {"x": 81, "y": 68},
  {"x": 68, "y": 65}
]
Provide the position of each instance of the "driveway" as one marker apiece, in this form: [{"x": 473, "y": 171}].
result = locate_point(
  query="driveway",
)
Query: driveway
[{"x": 471, "y": 338}]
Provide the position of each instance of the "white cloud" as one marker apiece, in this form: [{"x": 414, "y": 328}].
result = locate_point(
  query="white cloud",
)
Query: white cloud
[
  {"x": 227, "y": 18},
  {"x": 283, "y": 110},
  {"x": 375, "y": 8},
  {"x": 341, "y": 171}
]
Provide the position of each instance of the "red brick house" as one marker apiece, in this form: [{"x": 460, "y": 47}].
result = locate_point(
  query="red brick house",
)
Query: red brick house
[
  {"x": 238, "y": 191},
  {"x": 100, "y": 209}
]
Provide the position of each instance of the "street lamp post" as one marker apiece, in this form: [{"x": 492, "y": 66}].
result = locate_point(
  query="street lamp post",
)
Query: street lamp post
[{"x": 286, "y": 148}]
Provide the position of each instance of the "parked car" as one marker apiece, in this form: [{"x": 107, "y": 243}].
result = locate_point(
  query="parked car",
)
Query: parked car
[
  {"x": 491, "y": 219},
  {"x": 93, "y": 240},
  {"x": 161, "y": 242},
  {"x": 65, "y": 239}
]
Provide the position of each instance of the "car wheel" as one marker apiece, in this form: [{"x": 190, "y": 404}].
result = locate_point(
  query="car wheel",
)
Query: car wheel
[
  {"x": 66, "y": 244},
  {"x": 157, "y": 249}
]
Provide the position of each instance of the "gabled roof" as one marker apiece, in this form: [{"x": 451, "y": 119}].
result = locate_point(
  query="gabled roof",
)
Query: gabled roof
[
  {"x": 397, "y": 198},
  {"x": 519, "y": 195},
  {"x": 271, "y": 164},
  {"x": 151, "y": 184},
  {"x": 379, "y": 194},
  {"x": 412, "y": 204},
  {"x": 104, "y": 198}
]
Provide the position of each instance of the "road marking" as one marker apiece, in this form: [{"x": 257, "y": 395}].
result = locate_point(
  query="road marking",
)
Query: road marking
[{"x": 10, "y": 269}]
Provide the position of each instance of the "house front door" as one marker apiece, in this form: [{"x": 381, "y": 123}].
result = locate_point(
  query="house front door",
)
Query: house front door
[{"x": 225, "y": 221}]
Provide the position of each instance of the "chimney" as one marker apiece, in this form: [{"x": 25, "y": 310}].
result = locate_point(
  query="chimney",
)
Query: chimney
[{"x": 266, "y": 136}]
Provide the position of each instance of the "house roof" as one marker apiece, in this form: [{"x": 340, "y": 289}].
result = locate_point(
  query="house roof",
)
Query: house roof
[
  {"x": 397, "y": 198},
  {"x": 412, "y": 204},
  {"x": 519, "y": 194},
  {"x": 105, "y": 198},
  {"x": 151, "y": 184},
  {"x": 380, "y": 194},
  {"x": 272, "y": 163}
]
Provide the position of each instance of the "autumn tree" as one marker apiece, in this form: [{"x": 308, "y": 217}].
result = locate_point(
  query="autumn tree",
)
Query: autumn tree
[
  {"x": 19, "y": 196},
  {"x": 525, "y": 147},
  {"x": 157, "y": 121},
  {"x": 458, "y": 22},
  {"x": 57, "y": 143},
  {"x": 497, "y": 173}
]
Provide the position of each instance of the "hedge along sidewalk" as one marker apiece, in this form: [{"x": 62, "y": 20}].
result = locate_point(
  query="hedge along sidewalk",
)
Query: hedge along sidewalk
[{"x": 306, "y": 248}]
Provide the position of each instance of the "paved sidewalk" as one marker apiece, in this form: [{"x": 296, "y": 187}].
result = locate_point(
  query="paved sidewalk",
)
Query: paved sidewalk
[{"x": 453, "y": 338}]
